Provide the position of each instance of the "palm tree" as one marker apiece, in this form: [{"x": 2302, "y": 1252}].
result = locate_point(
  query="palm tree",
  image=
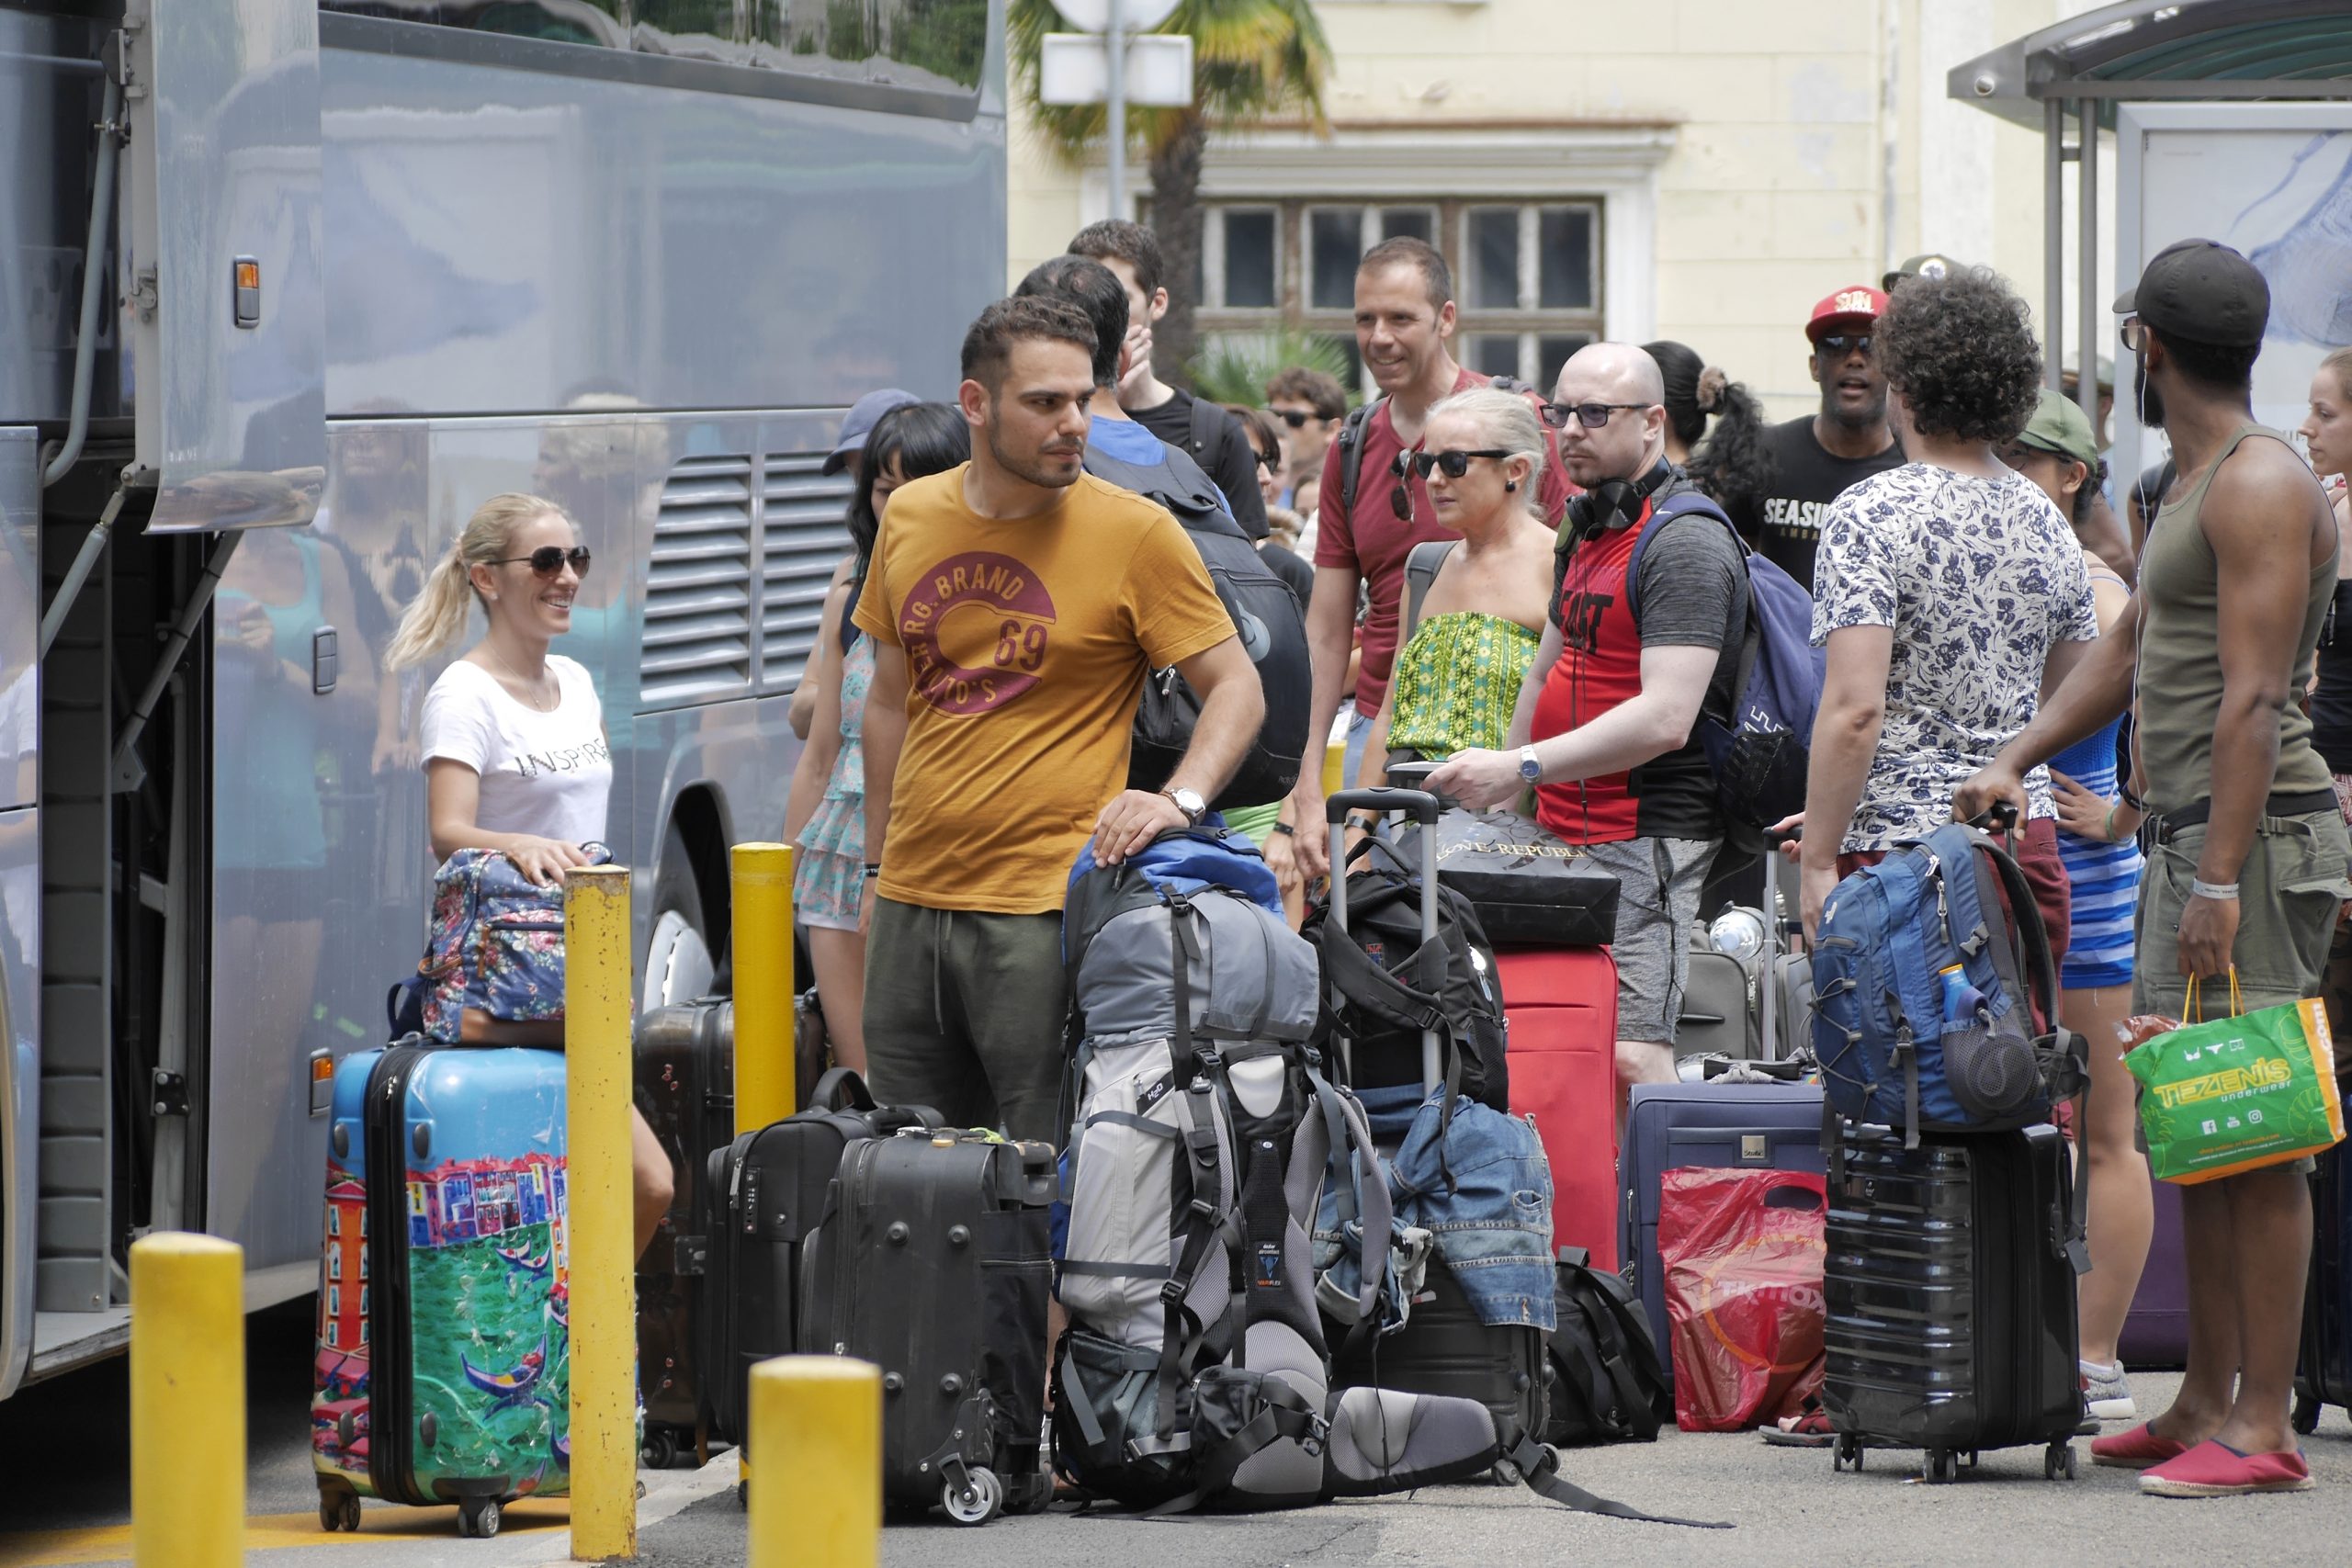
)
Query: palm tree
[{"x": 1251, "y": 60}]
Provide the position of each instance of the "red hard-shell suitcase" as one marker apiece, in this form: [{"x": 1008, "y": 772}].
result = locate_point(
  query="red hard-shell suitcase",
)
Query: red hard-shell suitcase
[{"x": 1561, "y": 1006}]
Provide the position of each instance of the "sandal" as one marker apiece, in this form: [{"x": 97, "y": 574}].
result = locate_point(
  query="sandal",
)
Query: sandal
[{"x": 1808, "y": 1429}]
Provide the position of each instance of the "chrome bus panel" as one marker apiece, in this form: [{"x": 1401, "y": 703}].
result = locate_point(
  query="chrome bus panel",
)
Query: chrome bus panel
[
  {"x": 505, "y": 239},
  {"x": 19, "y": 897},
  {"x": 221, "y": 169},
  {"x": 49, "y": 99}
]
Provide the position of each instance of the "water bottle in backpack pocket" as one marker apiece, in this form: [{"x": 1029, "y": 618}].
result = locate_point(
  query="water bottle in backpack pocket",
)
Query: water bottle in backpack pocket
[{"x": 1929, "y": 995}]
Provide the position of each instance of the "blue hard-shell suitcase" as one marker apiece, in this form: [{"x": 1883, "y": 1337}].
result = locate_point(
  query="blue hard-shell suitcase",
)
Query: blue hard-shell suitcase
[
  {"x": 1718, "y": 1125},
  {"x": 443, "y": 1370}
]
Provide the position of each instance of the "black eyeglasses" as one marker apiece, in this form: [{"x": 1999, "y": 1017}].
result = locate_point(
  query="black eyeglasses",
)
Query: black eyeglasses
[
  {"x": 1592, "y": 416},
  {"x": 548, "y": 559},
  {"x": 1837, "y": 345},
  {"x": 1455, "y": 464},
  {"x": 1295, "y": 418}
]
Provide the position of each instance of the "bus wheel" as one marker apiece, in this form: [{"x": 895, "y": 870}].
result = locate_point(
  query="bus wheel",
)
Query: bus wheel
[{"x": 678, "y": 966}]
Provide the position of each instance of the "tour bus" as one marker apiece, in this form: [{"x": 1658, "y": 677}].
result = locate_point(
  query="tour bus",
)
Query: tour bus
[{"x": 288, "y": 290}]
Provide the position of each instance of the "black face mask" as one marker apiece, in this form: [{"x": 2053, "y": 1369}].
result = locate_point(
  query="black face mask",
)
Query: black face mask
[{"x": 2152, "y": 402}]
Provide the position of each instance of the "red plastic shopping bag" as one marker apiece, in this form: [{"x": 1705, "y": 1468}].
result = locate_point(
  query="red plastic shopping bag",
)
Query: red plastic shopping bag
[{"x": 1743, "y": 1255}]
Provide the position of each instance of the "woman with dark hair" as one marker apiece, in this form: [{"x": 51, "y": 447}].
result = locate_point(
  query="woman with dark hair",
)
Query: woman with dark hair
[
  {"x": 1730, "y": 463},
  {"x": 1949, "y": 593},
  {"x": 826, "y": 814}
]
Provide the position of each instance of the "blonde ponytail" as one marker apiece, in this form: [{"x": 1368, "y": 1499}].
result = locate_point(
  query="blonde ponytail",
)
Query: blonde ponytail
[{"x": 437, "y": 616}]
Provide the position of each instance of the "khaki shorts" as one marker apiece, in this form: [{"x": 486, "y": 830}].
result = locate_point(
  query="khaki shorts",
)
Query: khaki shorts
[{"x": 2289, "y": 890}]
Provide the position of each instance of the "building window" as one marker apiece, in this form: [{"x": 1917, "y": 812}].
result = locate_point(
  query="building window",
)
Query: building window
[
  {"x": 335, "y": 1264},
  {"x": 1527, "y": 274},
  {"x": 334, "y": 1300}
]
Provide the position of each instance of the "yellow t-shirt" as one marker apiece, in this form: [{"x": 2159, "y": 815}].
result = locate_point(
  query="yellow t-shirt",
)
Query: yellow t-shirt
[{"x": 1026, "y": 644}]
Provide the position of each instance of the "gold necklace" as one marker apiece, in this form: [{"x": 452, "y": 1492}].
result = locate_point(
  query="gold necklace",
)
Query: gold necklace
[{"x": 533, "y": 698}]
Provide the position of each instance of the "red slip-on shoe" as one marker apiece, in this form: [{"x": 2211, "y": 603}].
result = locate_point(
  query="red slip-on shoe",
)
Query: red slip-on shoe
[
  {"x": 2135, "y": 1450},
  {"x": 2216, "y": 1469}
]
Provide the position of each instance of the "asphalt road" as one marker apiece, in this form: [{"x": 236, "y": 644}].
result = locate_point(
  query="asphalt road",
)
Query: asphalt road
[{"x": 64, "y": 1493}]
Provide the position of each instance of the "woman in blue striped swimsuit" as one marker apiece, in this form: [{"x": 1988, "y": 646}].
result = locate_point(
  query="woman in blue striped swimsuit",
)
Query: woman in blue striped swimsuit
[{"x": 2098, "y": 841}]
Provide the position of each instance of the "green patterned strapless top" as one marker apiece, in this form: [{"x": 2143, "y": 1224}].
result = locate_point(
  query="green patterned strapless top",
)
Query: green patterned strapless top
[{"x": 1457, "y": 681}]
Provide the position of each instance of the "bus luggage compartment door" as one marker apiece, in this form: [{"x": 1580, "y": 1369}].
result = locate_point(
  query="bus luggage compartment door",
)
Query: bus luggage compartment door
[{"x": 224, "y": 269}]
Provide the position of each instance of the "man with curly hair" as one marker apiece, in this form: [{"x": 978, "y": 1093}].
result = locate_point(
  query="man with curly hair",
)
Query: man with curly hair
[
  {"x": 1810, "y": 461},
  {"x": 1949, "y": 593}
]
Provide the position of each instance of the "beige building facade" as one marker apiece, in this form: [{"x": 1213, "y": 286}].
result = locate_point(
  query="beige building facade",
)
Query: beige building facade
[{"x": 1695, "y": 169}]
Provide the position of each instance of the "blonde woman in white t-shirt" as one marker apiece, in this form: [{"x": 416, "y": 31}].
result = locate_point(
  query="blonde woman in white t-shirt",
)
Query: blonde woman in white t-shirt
[{"x": 512, "y": 737}]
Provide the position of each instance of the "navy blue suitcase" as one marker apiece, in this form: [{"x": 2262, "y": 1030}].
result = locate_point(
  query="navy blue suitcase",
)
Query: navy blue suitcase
[{"x": 1719, "y": 1126}]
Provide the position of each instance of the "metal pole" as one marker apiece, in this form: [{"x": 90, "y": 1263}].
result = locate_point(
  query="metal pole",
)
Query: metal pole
[
  {"x": 765, "y": 1054},
  {"x": 597, "y": 1014},
  {"x": 187, "y": 1402},
  {"x": 2053, "y": 243},
  {"x": 94, "y": 284},
  {"x": 2087, "y": 247},
  {"x": 85, "y": 560},
  {"x": 817, "y": 1496},
  {"x": 1114, "y": 55}
]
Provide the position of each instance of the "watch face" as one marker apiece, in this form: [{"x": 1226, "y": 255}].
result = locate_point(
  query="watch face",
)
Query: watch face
[{"x": 1530, "y": 769}]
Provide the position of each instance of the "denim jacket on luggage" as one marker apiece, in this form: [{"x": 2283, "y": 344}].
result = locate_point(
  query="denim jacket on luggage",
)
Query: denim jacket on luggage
[{"x": 1492, "y": 1222}]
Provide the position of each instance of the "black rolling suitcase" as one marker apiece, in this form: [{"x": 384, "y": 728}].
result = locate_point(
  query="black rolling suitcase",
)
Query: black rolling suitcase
[
  {"x": 1951, "y": 1286},
  {"x": 933, "y": 1263},
  {"x": 1443, "y": 1347},
  {"x": 763, "y": 1198},
  {"x": 2323, "y": 1365},
  {"x": 686, "y": 1079}
]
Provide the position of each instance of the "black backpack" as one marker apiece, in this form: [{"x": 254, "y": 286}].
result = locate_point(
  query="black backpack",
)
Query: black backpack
[
  {"x": 1372, "y": 1000},
  {"x": 1265, "y": 614},
  {"x": 1602, "y": 1379}
]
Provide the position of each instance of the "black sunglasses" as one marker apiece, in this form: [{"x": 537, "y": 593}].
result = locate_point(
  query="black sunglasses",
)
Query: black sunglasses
[
  {"x": 1270, "y": 459},
  {"x": 1400, "y": 499},
  {"x": 1295, "y": 418},
  {"x": 548, "y": 559},
  {"x": 1837, "y": 345},
  {"x": 1592, "y": 416},
  {"x": 2133, "y": 332},
  {"x": 1455, "y": 464}
]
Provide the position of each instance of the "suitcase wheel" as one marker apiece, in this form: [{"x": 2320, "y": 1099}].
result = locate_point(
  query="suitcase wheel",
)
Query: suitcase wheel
[
  {"x": 1942, "y": 1465},
  {"x": 659, "y": 1451},
  {"x": 977, "y": 1503},
  {"x": 2058, "y": 1461},
  {"x": 1848, "y": 1451},
  {"x": 2306, "y": 1417},
  {"x": 338, "y": 1510},
  {"x": 478, "y": 1517}
]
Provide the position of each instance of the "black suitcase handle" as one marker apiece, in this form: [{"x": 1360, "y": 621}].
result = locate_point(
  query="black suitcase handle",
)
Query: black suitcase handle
[{"x": 1419, "y": 804}]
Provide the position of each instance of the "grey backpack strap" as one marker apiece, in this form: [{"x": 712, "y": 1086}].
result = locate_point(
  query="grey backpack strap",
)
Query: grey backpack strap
[
  {"x": 1421, "y": 567},
  {"x": 1205, "y": 416},
  {"x": 1351, "y": 439}
]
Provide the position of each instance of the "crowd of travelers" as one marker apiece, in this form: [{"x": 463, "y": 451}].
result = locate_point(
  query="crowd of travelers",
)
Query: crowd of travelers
[{"x": 2157, "y": 687}]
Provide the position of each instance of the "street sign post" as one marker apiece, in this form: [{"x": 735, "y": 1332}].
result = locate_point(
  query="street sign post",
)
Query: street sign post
[{"x": 1112, "y": 61}]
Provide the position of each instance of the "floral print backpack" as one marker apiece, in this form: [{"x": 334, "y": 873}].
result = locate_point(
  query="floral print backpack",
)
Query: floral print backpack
[{"x": 494, "y": 955}]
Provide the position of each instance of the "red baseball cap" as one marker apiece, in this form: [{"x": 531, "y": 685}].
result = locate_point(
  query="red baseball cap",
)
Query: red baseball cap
[{"x": 1856, "y": 305}]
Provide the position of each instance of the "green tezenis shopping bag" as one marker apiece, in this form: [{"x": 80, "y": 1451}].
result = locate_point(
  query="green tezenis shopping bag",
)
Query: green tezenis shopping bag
[{"x": 2235, "y": 1094}]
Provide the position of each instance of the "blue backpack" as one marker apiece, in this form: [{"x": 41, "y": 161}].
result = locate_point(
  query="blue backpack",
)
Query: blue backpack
[
  {"x": 1760, "y": 746},
  {"x": 1924, "y": 994}
]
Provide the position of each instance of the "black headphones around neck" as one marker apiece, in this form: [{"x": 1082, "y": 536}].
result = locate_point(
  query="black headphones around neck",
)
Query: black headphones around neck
[{"x": 1617, "y": 503}]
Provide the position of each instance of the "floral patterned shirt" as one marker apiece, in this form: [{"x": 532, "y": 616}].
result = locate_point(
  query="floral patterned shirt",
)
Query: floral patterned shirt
[{"x": 1978, "y": 578}]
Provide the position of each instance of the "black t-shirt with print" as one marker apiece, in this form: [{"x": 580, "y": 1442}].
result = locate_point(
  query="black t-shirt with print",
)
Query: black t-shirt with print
[
  {"x": 1783, "y": 520},
  {"x": 1227, "y": 457}
]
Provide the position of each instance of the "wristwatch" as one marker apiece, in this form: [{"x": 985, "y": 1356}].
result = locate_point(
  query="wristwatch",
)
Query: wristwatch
[
  {"x": 1189, "y": 803},
  {"x": 1529, "y": 768}
]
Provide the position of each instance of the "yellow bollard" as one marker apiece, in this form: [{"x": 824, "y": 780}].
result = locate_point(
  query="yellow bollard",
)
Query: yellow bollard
[
  {"x": 599, "y": 1012},
  {"x": 187, "y": 1402},
  {"x": 817, "y": 1496},
  {"x": 1335, "y": 776},
  {"x": 764, "y": 1047}
]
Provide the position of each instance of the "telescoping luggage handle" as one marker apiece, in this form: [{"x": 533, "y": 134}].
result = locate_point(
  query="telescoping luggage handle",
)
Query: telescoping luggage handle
[{"x": 1423, "y": 808}]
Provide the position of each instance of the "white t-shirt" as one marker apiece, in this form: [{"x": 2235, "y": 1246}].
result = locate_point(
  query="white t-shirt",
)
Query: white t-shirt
[{"x": 544, "y": 773}]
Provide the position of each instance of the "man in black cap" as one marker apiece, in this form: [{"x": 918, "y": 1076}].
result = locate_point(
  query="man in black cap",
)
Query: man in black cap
[{"x": 2249, "y": 858}]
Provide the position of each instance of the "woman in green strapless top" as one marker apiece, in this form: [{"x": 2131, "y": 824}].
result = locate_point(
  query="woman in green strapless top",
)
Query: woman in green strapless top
[{"x": 1467, "y": 648}]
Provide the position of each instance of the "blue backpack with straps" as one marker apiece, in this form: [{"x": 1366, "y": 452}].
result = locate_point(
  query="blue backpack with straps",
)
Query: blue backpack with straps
[
  {"x": 1925, "y": 994},
  {"x": 1760, "y": 746}
]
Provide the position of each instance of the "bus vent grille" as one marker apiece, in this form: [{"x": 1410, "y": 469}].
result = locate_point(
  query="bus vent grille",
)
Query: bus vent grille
[
  {"x": 803, "y": 541},
  {"x": 698, "y": 620}
]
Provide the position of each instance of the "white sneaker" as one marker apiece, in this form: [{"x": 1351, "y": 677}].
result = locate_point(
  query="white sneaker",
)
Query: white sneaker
[{"x": 2107, "y": 1393}]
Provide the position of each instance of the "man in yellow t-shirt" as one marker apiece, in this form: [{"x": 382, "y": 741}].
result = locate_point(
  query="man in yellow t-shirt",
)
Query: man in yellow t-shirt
[{"x": 1016, "y": 604}]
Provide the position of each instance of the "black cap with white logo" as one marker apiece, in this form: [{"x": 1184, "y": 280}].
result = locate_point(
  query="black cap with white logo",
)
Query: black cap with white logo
[{"x": 2203, "y": 290}]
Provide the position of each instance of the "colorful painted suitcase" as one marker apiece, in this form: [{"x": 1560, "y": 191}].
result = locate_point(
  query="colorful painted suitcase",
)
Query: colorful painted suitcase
[{"x": 443, "y": 1372}]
